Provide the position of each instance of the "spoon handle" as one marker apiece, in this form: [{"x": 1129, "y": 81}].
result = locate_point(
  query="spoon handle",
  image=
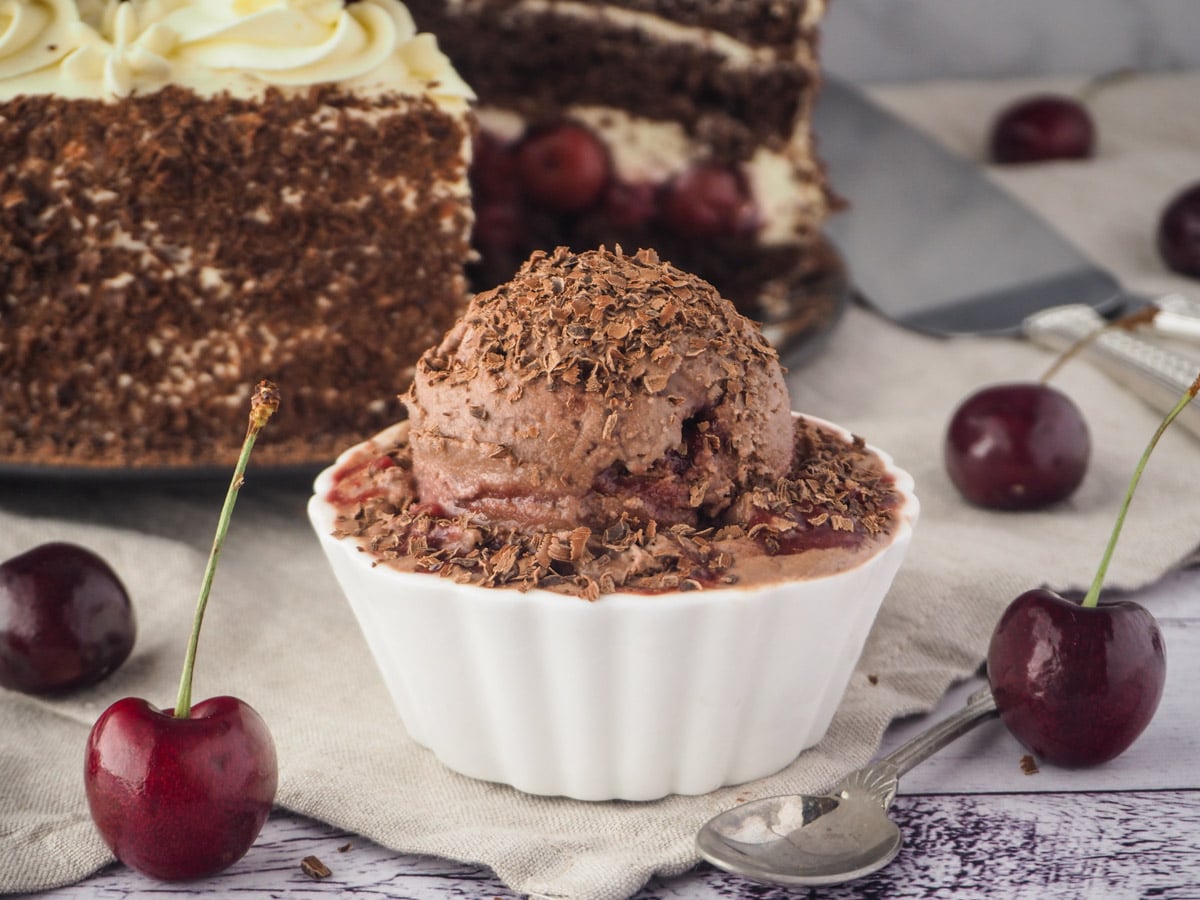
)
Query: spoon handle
[{"x": 980, "y": 706}]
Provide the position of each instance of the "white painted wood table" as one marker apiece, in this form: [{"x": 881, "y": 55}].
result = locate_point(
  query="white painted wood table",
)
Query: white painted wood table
[{"x": 975, "y": 824}]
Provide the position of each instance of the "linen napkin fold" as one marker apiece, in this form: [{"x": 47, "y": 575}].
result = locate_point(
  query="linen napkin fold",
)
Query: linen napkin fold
[{"x": 279, "y": 635}]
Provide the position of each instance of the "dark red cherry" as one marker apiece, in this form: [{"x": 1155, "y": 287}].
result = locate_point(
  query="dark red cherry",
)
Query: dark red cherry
[
  {"x": 1043, "y": 127},
  {"x": 65, "y": 619},
  {"x": 494, "y": 170},
  {"x": 182, "y": 793},
  {"x": 500, "y": 227},
  {"x": 1179, "y": 232},
  {"x": 564, "y": 168},
  {"x": 1017, "y": 446},
  {"x": 180, "y": 798},
  {"x": 708, "y": 201},
  {"x": 1076, "y": 684},
  {"x": 628, "y": 205}
]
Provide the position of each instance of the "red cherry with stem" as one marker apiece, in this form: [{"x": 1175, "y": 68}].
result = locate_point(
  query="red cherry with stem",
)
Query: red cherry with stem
[
  {"x": 180, "y": 798},
  {"x": 1078, "y": 683},
  {"x": 1043, "y": 127},
  {"x": 1025, "y": 445},
  {"x": 564, "y": 168},
  {"x": 1017, "y": 446},
  {"x": 1178, "y": 236},
  {"x": 65, "y": 619},
  {"x": 183, "y": 793},
  {"x": 709, "y": 201}
]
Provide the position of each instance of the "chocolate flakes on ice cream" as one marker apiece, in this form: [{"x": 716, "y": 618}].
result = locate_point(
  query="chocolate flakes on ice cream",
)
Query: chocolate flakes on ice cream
[{"x": 608, "y": 422}]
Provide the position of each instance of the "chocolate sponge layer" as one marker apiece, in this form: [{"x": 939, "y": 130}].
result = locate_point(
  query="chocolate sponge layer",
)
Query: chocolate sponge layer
[
  {"x": 538, "y": 59},
  {"x": 770, "y": 23},
  {"x": 773, "y": 23}
]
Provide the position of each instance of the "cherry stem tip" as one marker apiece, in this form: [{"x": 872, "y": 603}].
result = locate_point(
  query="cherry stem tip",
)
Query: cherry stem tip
[
  {"x": 263, "y": 404},
  {"x": 1131, "y": 321}
]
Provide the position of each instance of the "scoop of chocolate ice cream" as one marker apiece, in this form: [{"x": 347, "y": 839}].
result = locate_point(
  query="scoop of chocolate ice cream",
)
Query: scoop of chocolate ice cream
[{"x": 597, "y": 385}]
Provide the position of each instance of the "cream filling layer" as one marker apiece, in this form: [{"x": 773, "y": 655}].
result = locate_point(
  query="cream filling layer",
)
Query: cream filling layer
[{"x": 784, "y": 184}]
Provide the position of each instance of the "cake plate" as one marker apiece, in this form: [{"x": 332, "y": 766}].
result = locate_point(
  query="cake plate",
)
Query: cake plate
[{"x": 800, "y": 310}]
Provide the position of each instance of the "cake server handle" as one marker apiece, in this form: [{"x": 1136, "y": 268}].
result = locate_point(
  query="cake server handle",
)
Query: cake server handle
[
  {"x": 1157, "y": 375},
  {"x": 1178, "y": 316}
]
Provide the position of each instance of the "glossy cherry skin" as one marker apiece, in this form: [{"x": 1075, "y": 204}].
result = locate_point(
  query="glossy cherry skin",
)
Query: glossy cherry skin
[
  {"x": 629, "y": 205},
  {"x": 1076, "y": 685},
  {"x": 1178, "y": 235},
  {"x": 500, "y": 227},
  {"x": 65, "y": 619},
  {"x": 178, "y": 799},
  {"x": 708, "y": 201},
  {"x": 563, "y": 169},
  {"x": 1017, "y": 446},
  {"x": 1043, "y": 127},
  {"x": 494, "y": 170}
]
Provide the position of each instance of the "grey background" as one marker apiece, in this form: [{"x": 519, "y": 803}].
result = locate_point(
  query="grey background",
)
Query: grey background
[{"x": 874, "y": 41}]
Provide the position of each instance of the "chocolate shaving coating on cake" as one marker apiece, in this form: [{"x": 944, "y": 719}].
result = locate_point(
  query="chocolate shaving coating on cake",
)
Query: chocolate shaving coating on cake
[{"x": 160, "y": 255}]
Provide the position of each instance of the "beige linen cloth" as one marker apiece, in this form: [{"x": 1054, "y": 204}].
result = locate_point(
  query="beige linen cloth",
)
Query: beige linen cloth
[{"x": 280, "y": 636}]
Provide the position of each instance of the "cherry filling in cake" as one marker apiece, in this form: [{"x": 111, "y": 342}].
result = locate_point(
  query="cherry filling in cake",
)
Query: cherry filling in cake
[
  {"x": 678, "y": 125},
  {"x": 556, "y": 184}
]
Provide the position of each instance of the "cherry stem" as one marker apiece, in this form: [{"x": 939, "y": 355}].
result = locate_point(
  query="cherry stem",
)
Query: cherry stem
[
  {"x": 1128, "y": 322},
  {"x": 263, "y": 404},
  {"x": 1095, "y": 85},
  {"x": 1093, "y": 595}
]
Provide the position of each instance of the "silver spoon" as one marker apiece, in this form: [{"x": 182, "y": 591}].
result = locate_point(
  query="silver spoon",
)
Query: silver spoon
[{"x": 801, "y": 839}]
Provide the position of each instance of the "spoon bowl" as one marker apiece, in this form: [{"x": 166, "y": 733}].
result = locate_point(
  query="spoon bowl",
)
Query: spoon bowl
[
  {"x": 823, "y": 839},
  {"x": 802, "y": 840}
]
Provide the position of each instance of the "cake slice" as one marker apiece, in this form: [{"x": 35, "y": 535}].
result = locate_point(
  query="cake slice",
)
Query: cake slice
[
  {"x": 196, "y": 194},
  {"x": 682, "y": 125}
]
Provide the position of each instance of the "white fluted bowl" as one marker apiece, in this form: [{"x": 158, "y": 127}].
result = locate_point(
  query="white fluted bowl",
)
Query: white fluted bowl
[{"x": 628, "y": 697}]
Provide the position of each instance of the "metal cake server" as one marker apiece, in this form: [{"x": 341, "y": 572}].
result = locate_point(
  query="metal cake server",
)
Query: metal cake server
[
  {"x": 804, "y": 839},
  {"x": 934, "y": 245},
  {"x": 930, "y": 241}
]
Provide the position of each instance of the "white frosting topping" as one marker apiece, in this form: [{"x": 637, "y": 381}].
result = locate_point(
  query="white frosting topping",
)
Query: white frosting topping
[
  {"x": 111, "y": 49},
  {"x": 36, "y": 33},
  {"x": 291, "y": 42},
  {"x": 128, "y": 50}
]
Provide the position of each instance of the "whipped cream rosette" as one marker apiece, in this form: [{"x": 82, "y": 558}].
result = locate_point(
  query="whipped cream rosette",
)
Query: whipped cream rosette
[{"x": 114, "y": 49}]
